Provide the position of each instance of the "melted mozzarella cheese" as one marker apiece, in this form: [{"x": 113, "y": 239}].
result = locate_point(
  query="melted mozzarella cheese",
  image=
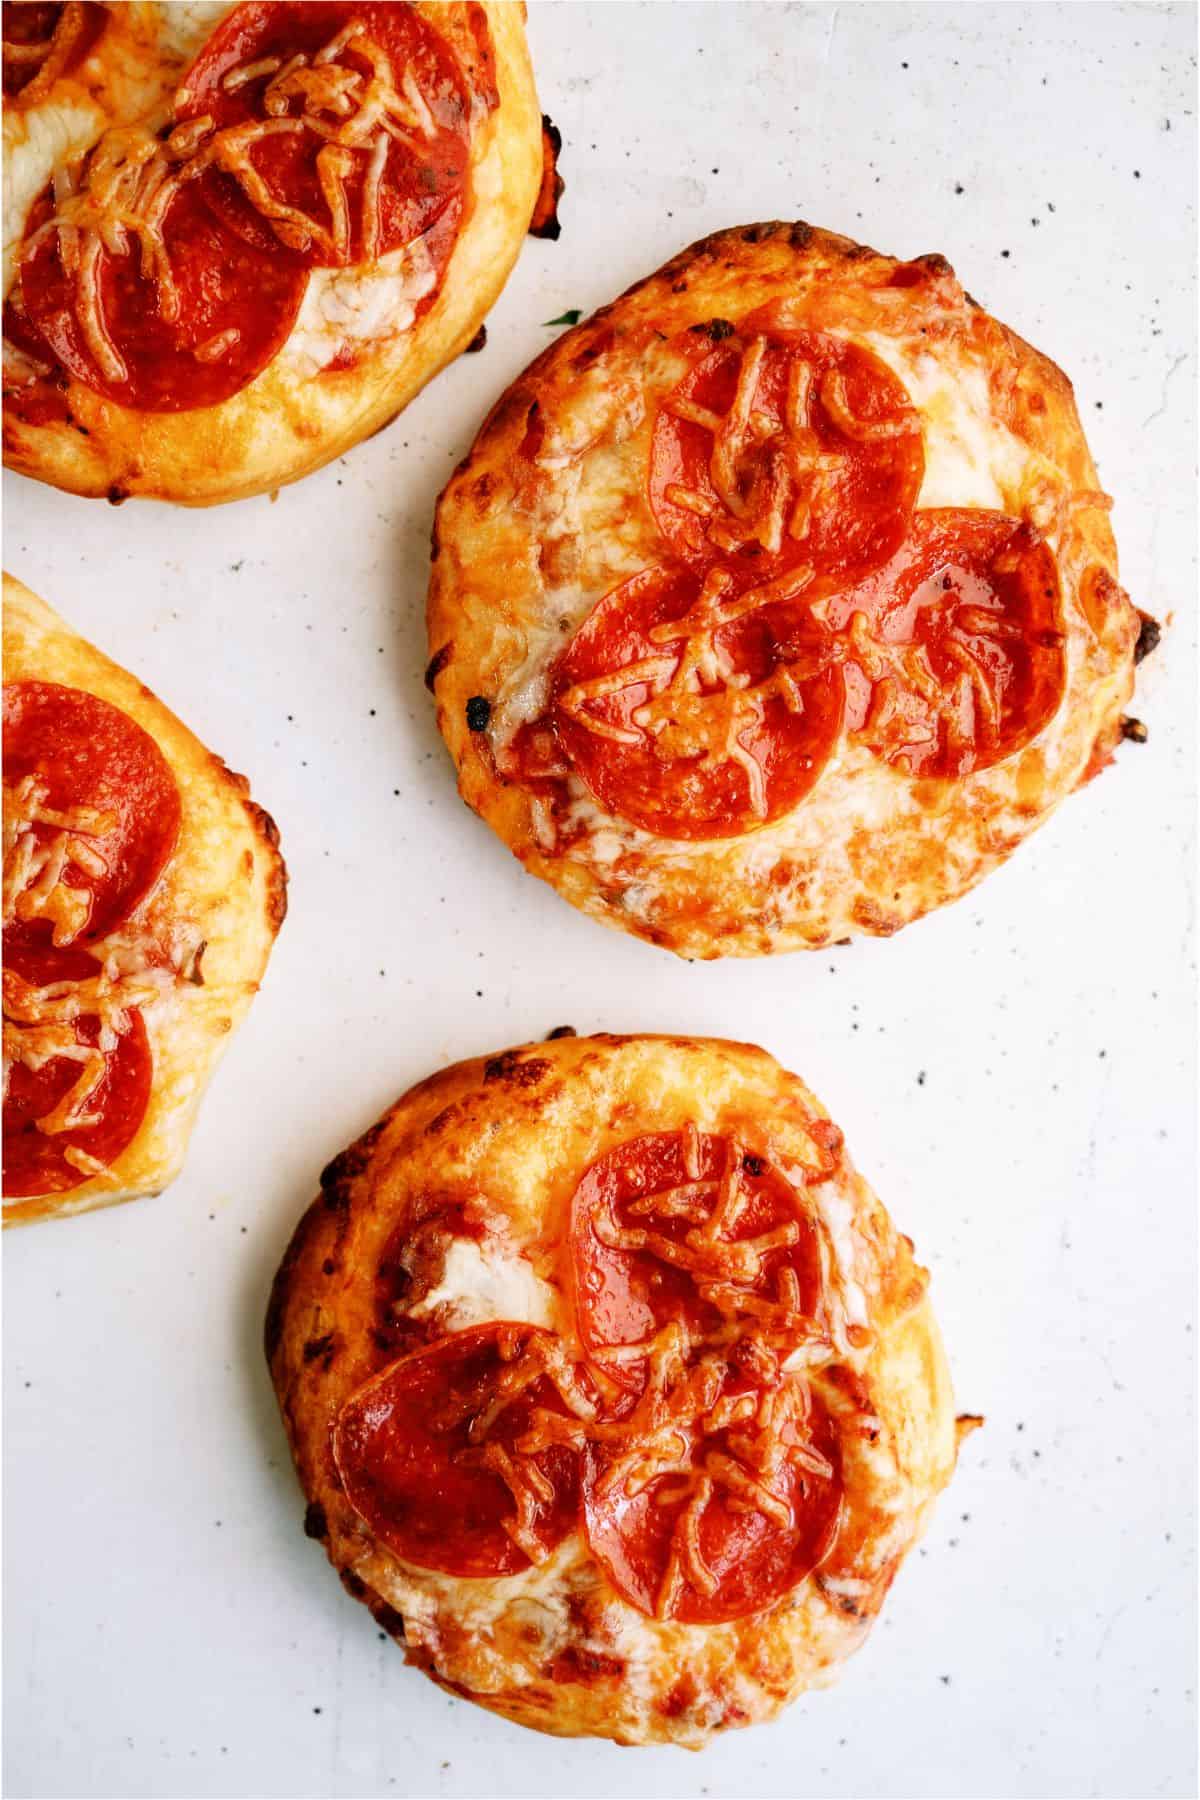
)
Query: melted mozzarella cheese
[
  {"x": 359, "y": 306},
  {"x": 185, "y": 25},
  {"x": 484, "y": 1282},
  {"x": 35, "y": 144},
  {"x": 970, "y": 458}
]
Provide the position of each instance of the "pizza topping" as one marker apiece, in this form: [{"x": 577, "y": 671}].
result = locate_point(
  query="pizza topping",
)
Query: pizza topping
[
  {"x": 431, "y": 1452},
  {"x": 954, "y": 653},
  {"x": 42, "y": 42},
  {"x": 719, "y": 1493},
  {"x": 675, "y": 709},
  {"x": 804, "y": 453},
  {"x": 690, "y": 1228},
  {"x": 91, "y": 814},
  {"x": 338, "y": 130},
  {"x": 141, "y": 291},
  {"x": 77, "y": 1068}
]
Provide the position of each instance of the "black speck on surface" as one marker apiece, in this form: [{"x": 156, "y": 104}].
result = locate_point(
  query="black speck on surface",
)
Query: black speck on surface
[
  {"x": 479, "y": 713},
  {"x": 1006, "y": 253},
  {"x": 959, "y": 188},
  {"x": 920, "y": 1078}
]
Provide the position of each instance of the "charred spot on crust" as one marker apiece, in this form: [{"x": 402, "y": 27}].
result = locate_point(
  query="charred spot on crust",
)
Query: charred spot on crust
[
  {"x": 116, "y": 496},
  {"x": 545, "y": 222},
  {"x": 716, "y": 329},
  {"x": 753, "y": 1165},
  {"x": 337, "y": 1176},
  {"x": 800, "y": 235},
  {"x": 354, "y": 1585},
  {"x": 509, "y": 1068},
  {"x": 479, "y": 713},
  {"x": 316, "y": 1525},
  {"x": 319, "y": 1347},
  {"x": 1148, "y": 638},
  {"x": 329, "y": 1267},
  {"x": 578, "y": 1664},
  {"x": 561, "y": 1031},
  {"x": 477, "y": 342},
  {"x": 1133, "y": 731},
  {"x": 389, "y": 1618},
  {"x": 437, "y": 663}
]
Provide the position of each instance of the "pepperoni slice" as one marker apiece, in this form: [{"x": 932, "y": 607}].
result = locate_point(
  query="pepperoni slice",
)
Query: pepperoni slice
[
  {"x": 955, "y": 657},
  {"x": 690, "y": 1227},
  {"x": 157, "y": 346},
  {"x": 37, "y": 1160},
  {"x": 431, "y": 1453},
  {"x": 366, "y": 139},
  {"x": 721, "y": 1508},
  {"x": 802, "y": 454},
  {"x": 101, "y": 805},
  {"x": 701, "y": 731}
]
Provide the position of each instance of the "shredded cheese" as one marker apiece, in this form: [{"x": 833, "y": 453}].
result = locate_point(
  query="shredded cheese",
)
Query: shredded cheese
[{"x": 133, "y": 175}]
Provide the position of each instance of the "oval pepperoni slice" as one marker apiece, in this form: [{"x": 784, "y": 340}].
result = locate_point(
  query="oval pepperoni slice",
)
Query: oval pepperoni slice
[
  {"x": 802, "y": 455},
  {"x": 78, "y": 1081},
  {"x": 716, "y": 1496},
  {"x": 184, "y": 316},
  {"x": 687, "y": 1227},
  {"x": 955, "y": 656},
  {"x": 678, "y": 713},
  {"x": 338, "y": 130},
  {"x": 92, "y": 810},
  {"x": 462, "y": 1457}
]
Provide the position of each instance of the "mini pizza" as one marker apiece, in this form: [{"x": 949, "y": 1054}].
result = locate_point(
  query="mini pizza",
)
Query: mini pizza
[
  {"x": 613, "y": 1392},
  {"x": 777, "y": 602},
  {"x": 239, "y": 238},
  {"x": 142, "y": 893}
]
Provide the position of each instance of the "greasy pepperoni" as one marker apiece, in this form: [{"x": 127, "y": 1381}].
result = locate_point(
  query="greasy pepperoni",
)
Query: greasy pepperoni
[
  {"x": 802, "y": 454},
  {"x": 417, "y": 1451},
  {"x": 427, "y": 149},
  {"x": 236, "y": 306},
  {"x": 84, "y": 753},
  {"x": 35, "y": 1162},
  {"x": 701, "y": 732},
  {"x": 672, "y": 1227},
  {"x": 956, "y": 657},
  {"x": 692, "y": 1543}
]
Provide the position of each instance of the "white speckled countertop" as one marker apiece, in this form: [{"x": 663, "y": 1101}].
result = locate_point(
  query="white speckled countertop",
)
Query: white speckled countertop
[{"x": 1016, "y": 1075}]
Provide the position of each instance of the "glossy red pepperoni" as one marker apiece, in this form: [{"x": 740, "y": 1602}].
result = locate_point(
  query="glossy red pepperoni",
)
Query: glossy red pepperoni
[
  {"x": 65, "y": 749},
  {"x": 775, "y": 455},
  {"x": 700, "y": 732},
  {"x": 420, "y": 1447},
  {"x": 424, "y": 136},
  {"x": 956, "y": 657},
  {"x": 735, "y": 1522},
  {"x": 690, "y": 1228},
  {"x": 236, "y": 307},
  {"x": 35, "y": 1161}
]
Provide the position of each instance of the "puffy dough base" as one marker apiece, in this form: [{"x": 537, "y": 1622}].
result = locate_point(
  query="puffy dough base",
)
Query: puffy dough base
[
  {"x": 550, "y": 511},
  {"x": 226, "y": 881},
  {"x": 556, "y": 1647},
  {"x": 287, "y": 422}
]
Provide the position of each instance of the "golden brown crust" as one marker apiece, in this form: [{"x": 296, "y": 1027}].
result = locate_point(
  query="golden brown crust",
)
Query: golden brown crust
[
  {"x": 292, "y": 419},
  {"x": 222, "y": 896},
  {"x": 505, "y": 1139},
  {"x": 549, "y": 512}
]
